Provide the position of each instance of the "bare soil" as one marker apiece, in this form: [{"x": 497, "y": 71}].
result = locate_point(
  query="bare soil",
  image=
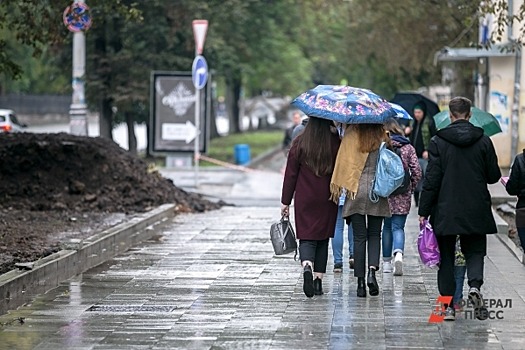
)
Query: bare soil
[{"x": 60, "y": 186}]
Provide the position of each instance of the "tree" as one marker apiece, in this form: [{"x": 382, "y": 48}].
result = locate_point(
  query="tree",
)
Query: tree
[{"x": 280, "y": 46}]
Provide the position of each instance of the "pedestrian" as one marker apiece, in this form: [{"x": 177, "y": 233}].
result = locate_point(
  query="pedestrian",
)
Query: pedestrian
[
  {"x": 307, "y": 180},
  {"x": 299, "y": 128},
  {"x": 420, "y": 132},
  {"x": 516, "y": 186},
  {"x": 288, "y": 137},
  {"x": 462, "y": 161},
  {"x": 338, "y": 240},
  {"x": 354, "y": 172},
  {"x": 394, "y": 227},
  {"x": 460, "y": 268}
]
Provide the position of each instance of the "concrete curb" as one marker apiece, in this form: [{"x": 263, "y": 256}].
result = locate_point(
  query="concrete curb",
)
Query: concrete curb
[
  {"x": 503, "y": 236},
  {"x": 20, "y": 286},
  {"x": 261, "y": 158}
]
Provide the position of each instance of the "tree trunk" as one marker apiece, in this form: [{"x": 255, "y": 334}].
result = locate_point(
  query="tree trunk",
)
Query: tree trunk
[
  {"x": 237, "y": 85},
  {"x": 234, "y": 93},
  {"x": 132, "y": 138},
  {"x": 213, "y": 124},
  {"x": 148, "y": 153},
  {"x": 105, "y": 119}
]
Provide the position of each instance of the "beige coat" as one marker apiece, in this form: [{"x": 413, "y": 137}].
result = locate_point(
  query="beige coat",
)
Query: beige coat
[{"x": 362, "y": 203}]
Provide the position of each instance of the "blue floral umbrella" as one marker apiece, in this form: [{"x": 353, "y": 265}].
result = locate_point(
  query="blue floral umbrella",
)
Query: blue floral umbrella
[
  {"x": 345, "y": 104},
  {"x": 401, "y": 112}
]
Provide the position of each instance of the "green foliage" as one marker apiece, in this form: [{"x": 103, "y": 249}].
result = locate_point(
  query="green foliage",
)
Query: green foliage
[
  {"x": 41, "y": 75},
  {"x": 279, "y": 46},
  {"x": 222, "y": 148}
]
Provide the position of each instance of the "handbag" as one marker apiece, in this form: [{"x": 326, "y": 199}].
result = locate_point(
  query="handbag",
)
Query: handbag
[
  {"x": 389, "y": 174},
  {"x": 283, "y": 237},
  {"x": 427, "y": 245}
]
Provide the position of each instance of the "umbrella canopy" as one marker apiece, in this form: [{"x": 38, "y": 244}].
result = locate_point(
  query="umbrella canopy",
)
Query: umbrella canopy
[
  {"x": 408, "y": 100},
  {"x": 344, "y": 104},
  {"x": 484, "y": 120},
  {"x": 401, "y": 112}
]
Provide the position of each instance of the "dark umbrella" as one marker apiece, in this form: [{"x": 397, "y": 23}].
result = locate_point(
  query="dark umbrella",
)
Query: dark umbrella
[{"x": 408, "y": 100}]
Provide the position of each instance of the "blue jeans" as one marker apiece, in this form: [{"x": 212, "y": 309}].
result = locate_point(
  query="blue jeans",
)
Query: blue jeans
[
  {"x": 459, "y": 275},
  {"x": 338, "y": 241},
  {"x": 394, "y": 235}
]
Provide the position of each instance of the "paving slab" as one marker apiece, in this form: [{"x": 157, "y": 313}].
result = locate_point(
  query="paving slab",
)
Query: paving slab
[{"x": 211, "y": 281}]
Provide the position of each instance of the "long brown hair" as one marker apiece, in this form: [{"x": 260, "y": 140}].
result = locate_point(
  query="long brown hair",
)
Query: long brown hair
[
  {"x": 393, "y": 127},
  {"x": 315, "y": 146},
  {"x": 370, "y": 136}
]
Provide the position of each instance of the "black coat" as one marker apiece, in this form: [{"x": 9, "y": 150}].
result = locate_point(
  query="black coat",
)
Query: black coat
[
  {"x": 462, "y": 161},
  {"x": 516, "y": 184}
]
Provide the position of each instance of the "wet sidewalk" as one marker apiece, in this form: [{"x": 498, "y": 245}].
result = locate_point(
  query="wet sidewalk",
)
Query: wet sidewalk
[{"x": 211, "y": 281}]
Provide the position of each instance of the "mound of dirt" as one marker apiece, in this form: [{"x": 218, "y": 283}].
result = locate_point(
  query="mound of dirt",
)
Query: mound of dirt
[{"x": 54, "y": 186}]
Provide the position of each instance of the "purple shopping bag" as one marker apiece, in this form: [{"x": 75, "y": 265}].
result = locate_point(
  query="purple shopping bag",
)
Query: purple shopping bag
[{"x": 427, "y": 245}]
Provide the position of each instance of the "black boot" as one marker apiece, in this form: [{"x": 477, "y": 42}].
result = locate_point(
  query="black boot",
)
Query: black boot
[
  {"x": 373, "y": 287},
  {"x": 361, "y": 290},
  {"x": 318, "y": 286},
  {"x": 416, "y": 198},
  {"x": 308, "y": 284}
]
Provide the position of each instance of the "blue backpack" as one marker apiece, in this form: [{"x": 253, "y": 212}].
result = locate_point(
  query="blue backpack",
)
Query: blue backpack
[{"x": 389, "y": 174}]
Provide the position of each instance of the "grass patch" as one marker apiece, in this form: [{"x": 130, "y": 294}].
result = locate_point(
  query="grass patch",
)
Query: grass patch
[{"x": 222, "y": 148}]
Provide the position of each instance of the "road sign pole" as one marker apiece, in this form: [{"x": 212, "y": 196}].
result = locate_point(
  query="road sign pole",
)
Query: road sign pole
[
  {"x": 199, "y": 32},
  {"x": 78, "y": 108},
  {"x": 197, "y": 138}
]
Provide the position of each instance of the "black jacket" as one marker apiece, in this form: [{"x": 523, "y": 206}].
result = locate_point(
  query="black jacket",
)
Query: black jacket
[
  {"x": 462, "y": 161},
  {"x": 516, "y": 184},
  {"x": 421, "y": 134}
]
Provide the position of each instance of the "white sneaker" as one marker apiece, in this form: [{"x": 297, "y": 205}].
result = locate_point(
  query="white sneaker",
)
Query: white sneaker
[
  {"x": 387, "y": 267},
  {"x": 398, "y": 264}
]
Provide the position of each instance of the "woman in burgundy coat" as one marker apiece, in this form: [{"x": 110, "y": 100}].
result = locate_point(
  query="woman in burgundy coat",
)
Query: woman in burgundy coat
[{"x": 308, "y": 172}]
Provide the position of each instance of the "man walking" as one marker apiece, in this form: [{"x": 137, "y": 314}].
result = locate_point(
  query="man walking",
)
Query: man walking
[
  {"x": 462, "y": 161},
  {"x": 288, "y": 133},
  {"x": 422, "y": 130}
]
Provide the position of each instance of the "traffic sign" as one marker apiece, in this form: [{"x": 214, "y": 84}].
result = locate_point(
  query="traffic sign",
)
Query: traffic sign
[
  {"x": 200, "y": 26},
  {"x": 77, "y": 17},
  {"x": 199, "y": 72}
]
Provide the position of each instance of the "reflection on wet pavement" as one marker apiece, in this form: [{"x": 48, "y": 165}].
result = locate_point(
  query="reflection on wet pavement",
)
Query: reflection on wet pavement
[{"x": 211, "y": 281}]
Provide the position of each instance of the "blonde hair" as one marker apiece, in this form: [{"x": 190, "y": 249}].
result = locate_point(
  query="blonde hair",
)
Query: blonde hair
[{"x": 370, "y": 136}]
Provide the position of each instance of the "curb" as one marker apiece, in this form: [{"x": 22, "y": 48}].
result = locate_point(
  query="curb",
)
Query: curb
[
  {"x": 21, "y": 286},
  {"x": 261, "y": 158},
  {"x": 503, "y": 236}
]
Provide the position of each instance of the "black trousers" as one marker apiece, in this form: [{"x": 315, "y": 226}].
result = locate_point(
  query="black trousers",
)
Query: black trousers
[
  {"x": 364, "y": 233},
  {"x": 474, "y": 247},
  {"x": 316, "y": 252}
]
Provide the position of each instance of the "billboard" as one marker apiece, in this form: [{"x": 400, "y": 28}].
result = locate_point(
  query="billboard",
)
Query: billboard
[{"x": 172, "y": 114}]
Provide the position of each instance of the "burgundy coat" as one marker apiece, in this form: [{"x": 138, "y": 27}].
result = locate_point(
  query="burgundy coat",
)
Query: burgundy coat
[{"x": 315, "y": 213}]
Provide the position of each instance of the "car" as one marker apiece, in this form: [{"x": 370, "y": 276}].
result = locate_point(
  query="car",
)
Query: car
[{"x": 9, "y": 122}]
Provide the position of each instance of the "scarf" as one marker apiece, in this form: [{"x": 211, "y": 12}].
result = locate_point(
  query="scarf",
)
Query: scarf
[{"x": 349, "y": 165}]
